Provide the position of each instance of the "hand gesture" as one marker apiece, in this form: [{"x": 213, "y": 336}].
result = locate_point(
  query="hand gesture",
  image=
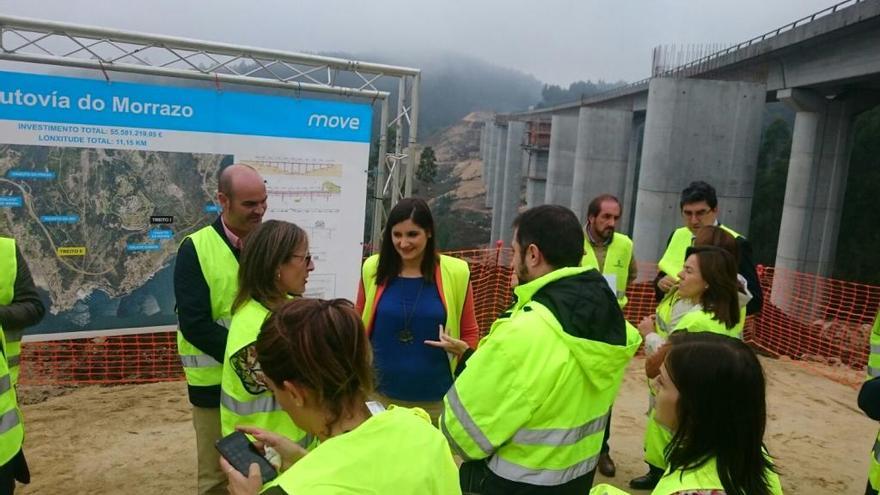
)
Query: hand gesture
[{"x": 448, "y": 344}]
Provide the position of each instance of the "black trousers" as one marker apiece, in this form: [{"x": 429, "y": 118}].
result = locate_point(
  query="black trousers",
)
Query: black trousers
[
  {"x": 869, "y": 490},
  {"x": 605, "y": 447},
  {"x": 15, "y": 469}
]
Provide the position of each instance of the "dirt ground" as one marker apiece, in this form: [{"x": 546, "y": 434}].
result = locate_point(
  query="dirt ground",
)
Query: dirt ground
[{"x": 139, "y": 439}]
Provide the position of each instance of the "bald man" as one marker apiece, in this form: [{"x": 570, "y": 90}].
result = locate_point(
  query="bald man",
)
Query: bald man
[{"x": 205, "y": 283}]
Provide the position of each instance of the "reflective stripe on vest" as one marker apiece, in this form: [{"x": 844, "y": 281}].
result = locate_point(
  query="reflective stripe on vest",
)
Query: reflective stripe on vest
[
  {"x": 13, "y": 358},
  {"x": 9, "y": 419},
  {"x": 11, "y": 427},
  {"x": 617, "y": 260},
  {"x": 464, "y": 418},
  {"x": 454, "y": 279},
  {"x": 199, "y": 361},
  {"x": 560, "y": 436},
  {"x": 542, "y": 477},
  {"x": 456, "y": 448},
  {"x": 220, "y": 269},
  {"x": 264, "y": 404}
]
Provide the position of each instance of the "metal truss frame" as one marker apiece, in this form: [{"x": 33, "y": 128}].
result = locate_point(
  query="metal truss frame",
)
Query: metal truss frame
[{"x": 109, "y": 50}]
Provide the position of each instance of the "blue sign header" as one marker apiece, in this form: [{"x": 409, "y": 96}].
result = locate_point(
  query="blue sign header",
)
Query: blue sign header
[{"x": 68, "y": 100}]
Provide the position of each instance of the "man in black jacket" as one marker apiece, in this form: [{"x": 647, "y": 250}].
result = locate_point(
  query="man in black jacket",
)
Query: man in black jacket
[
  {"x": 205, "y": 283},
  {"x": 25, "y": 309}
]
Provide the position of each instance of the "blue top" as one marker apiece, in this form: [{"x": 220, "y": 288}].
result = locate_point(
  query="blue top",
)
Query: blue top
[{"x": 409, "y": 313}]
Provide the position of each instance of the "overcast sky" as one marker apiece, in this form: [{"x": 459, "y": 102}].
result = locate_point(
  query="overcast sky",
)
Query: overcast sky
[{"x": 557, "y": 41}]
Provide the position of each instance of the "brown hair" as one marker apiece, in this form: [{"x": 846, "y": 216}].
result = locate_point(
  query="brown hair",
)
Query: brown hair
[
  {"x": 268, "y": 247},
  {"x": 718, "y": 269},
  {"x": 321, "y": 345},
  {"x": 595, "y": 205},
  {"x": 711, "y": 235}
]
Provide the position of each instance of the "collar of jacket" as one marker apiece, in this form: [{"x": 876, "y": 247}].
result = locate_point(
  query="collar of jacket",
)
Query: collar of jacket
[{"x": 525, "y": 292}]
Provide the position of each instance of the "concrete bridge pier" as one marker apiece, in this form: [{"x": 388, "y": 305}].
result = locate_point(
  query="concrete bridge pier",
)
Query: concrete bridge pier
[
  {"x": 628, "y": 200},
  {"x": 815, "y": 187},
  {"x": 489, "y": 157},
  {"x": 817, "y": 174},
  {"x": 536, "y": 177},
  {"x": 560, "y": 164},
  {"x": 696, "y": 130},
  {"x": 484, "y": 148},
  {"x": 511, "y": 188},
  {"x": 498, "y": 166},
  {"x": 601, "y": 156}
]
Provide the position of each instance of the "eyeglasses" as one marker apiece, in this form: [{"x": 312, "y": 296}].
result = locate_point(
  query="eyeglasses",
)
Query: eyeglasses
[
  {"x": 696, "y": 214},
  {"x": 244, "y": 363},
  {"x": 307, "y": 257}
]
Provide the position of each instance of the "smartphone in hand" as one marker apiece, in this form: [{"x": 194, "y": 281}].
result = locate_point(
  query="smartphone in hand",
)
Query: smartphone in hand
[{"x": 241, "y": 453}]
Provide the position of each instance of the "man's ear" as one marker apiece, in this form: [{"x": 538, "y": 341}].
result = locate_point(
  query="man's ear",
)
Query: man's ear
[
  {"x": 533, "y": 255},
  {"x": 223, "y": 199}
]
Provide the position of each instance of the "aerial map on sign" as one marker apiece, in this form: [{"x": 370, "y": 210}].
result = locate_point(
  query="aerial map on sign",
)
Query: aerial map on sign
[{"x": 99, "y": 227}]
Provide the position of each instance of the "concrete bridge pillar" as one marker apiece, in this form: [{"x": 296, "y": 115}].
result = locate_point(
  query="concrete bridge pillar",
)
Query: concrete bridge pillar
[
  {"x": 560, "y": 164},
  {"x": 484, "y": 149},
  {"x": 814, "y": 192},
  {"x": 498, "y": 166},
  {"x": 491, "y": 152},
  {"x": 536, "y": 177},
  {"x": 696, "y": 130},
  {"x": 601, "y": 156},
  {"x": 817, "y": 175},
  {"x": 512, "y": 183},
  {"x": 628, "y": 200}
]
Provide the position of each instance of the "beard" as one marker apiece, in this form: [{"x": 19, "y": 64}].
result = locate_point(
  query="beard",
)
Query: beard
[{"x": 522, "y": 275}]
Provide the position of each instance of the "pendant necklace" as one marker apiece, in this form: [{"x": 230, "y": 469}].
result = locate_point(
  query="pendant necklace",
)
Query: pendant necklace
[{"x": 405, "y": 336}]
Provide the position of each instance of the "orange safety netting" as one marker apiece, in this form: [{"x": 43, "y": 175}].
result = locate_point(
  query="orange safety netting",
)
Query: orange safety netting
[{"x": 821, "y": 323}]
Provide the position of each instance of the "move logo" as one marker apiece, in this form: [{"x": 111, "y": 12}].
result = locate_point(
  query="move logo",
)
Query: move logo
[{"x": 322, "y": 120}]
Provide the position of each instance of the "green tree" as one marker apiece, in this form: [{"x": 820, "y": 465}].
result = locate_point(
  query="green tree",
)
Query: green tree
[
  {"x": 372, "y": 174},
  {"x": 427, "y": 170},
  {"x": 767, "y": 202},
  {"x": 859, "y": 238}
]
